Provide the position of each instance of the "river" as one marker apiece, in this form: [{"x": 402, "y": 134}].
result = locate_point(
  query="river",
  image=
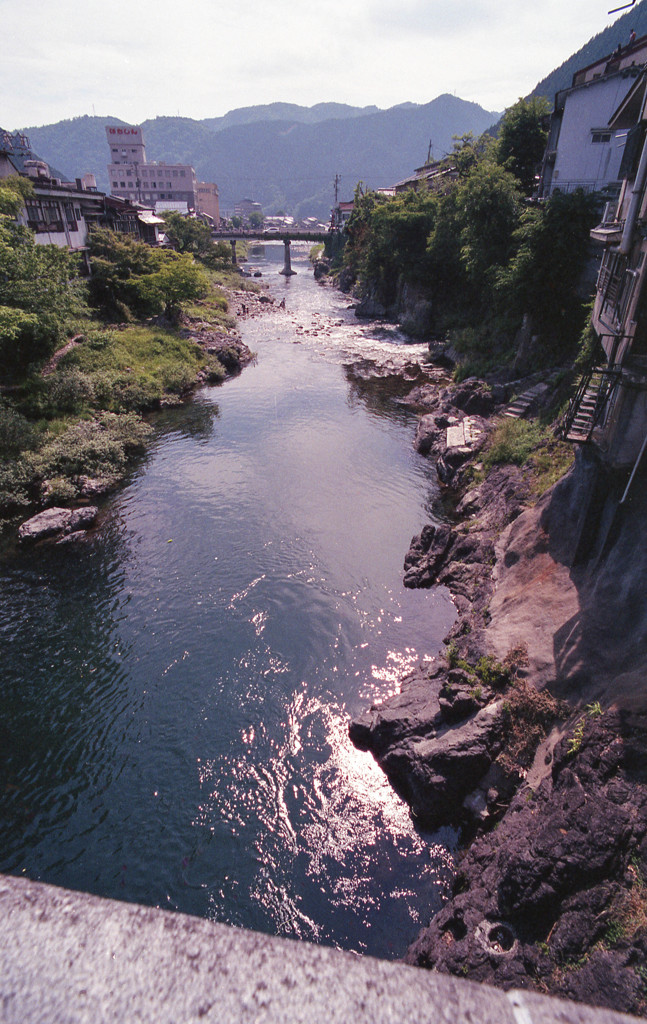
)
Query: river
[{"x": 176, "y": 689}]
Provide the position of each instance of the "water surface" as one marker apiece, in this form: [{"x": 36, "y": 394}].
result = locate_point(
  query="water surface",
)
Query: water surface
[{"x": 176, "y": 690}]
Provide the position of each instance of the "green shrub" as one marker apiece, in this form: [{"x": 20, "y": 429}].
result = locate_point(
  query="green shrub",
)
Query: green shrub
[
  {"x": 60, "y": 490},
  {"x": 575, "y": 742},
  {"x": 16, "y": 432},
  {"x": 491, "y": 672},
  {"x": 70, "y": 390},
  {"x": 98, "y": 447},
  {"x": 512, "y": 441},
  {"x": 16, "y": 479}
]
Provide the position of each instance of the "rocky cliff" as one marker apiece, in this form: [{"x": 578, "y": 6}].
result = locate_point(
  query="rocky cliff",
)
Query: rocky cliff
[{"x": 530, "y": 734}]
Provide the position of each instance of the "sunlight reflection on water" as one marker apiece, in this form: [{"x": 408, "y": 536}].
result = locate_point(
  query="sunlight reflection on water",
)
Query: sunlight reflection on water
[{"x": 340, "y": 825}]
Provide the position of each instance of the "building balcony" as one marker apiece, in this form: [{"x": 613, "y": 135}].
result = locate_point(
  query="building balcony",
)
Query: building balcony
[{"x": 608, "y": 234}]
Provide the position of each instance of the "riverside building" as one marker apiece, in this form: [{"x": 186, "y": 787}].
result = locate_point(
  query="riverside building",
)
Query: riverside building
[
  {"x": 584, "y": 151},
  {"x": 153, "y": 184}
]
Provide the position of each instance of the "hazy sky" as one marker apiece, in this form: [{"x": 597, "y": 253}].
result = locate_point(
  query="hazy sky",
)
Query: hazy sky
[{"x": 135, "y": 59}]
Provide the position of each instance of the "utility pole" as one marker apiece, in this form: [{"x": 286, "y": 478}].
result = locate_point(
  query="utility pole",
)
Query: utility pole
[{"x": 337, "y": 184}]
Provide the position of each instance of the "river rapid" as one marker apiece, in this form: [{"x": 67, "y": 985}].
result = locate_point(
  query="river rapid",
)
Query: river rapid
[{"x": 176, "y": 689}]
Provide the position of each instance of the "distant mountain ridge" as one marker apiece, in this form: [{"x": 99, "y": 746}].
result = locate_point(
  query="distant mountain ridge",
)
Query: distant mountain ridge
[
  {"x": 286, "y": 112},
  {"x": 282, "y": 155}
]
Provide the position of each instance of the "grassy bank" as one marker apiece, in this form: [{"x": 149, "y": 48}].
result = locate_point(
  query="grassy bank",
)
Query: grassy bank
[{"x": 70, "y": 428}]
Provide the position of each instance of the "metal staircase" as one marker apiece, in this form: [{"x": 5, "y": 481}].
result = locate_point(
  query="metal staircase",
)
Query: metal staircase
[{"x": 589, "y": 403}]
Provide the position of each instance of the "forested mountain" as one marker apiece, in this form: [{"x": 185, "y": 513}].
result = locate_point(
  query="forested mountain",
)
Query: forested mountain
[
  {"x": 287, "y": 164},
  {"x": 599, "y": 46},
  {"x": 287, "y": 112}
]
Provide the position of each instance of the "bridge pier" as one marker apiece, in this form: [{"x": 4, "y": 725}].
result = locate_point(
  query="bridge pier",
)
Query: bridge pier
[
  {"x": 232, "y": 242},
  {"x": 287, "y": 265}
]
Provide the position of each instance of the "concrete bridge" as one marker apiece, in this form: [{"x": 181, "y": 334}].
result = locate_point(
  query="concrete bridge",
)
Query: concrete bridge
[{"x": 287, "y": 237}]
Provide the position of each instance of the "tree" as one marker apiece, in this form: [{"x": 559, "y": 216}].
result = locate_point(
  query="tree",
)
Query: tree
[
  {"x": 36, "y": 297},
  {"x": 256, "y": 219},
  {"x": 129, "y": 276},
  {"x": 13, "y": 192},
  {"x": 187, "y": 234},
  {"x": 396, "y": 247},
  {"x": 551, "y": 247},
  {"x": 120, "y": 265},
  {"x": 522, "y": 140},
  {"x": 464, "y": 155},
  {"x": 178, "y": 280},
  {"x": 489, "y": 206}
]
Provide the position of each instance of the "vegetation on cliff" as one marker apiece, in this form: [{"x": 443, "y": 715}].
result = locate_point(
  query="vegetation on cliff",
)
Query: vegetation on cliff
[{"x": 483, "y": 254}]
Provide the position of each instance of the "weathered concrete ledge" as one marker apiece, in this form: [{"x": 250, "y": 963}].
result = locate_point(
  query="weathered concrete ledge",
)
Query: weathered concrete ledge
[{"x": 74, "y": 958}]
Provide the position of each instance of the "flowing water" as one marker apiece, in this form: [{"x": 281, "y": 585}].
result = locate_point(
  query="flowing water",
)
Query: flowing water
[{"x": 176, "y": 689}]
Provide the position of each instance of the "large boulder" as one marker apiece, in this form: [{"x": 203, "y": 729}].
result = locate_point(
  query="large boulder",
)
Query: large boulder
[
  {"x": 434, "y": 774},
  {"x": 57, "y": 522}
]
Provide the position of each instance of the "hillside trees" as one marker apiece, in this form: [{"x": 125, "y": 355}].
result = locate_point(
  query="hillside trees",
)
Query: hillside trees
[
  {"x": 482, "y": 251},
  {"x": 37, "y": 298},
  {"x": 131, "y": 279},
  {"x": 190, "y": 235},
  {"x": 397, "y": 241},
  {"x": 542, "y": 277},
  {"x": 522, "y": 140},
  {"x": 489, "y": 205}
]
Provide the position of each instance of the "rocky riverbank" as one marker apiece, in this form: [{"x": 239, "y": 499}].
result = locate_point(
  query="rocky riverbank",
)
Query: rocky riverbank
[{"x": 529, "y": 734}]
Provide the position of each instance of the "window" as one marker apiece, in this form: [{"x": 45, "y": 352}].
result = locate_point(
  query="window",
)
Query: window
[
  {"x": 601, "y": 137},
  {"x": 122, "y": 184},
  {"x": 175, "y": 174},
  {"x": 129, "y": 174},
  {"x": 183, "y": 174},
  {"x": 115, "y": 184}
]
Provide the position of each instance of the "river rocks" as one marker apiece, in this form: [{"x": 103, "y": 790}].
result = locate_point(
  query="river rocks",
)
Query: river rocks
[
  {"x": 346, "y": 280},
  {"x": 555, "y": 898},
  {"x": 417, "y": 319},
  {"x": 413, "y": 711},
  {"x": 427, "y": 434},
  {"x": 436, "y": 741},
  {"x": 232, "y": 353},
  {"x": 95, "y": 487},
  {"x": 473, "y": 396},
  {"x": 462, "y": 441},
  {"x": 57, "y": 522},
  {"x": 321, "y": 268},
  {"x": 370, "y": 308}
]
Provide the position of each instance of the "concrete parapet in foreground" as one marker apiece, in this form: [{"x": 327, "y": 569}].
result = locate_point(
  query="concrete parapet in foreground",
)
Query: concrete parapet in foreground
[{"x": 71, "y": 957}]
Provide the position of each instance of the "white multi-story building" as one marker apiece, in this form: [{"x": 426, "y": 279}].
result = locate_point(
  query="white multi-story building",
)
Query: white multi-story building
[
  {"x": 133, "y": 177},
  {"x": 610, "y": 407},
  {"x": 582, "y": 150}
]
